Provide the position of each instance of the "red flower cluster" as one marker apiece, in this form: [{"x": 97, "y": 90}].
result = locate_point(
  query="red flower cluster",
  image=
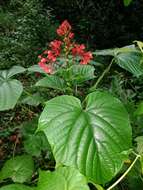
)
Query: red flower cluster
[
  {"x": 64, "y": 28},
  {"x": 49, "y": 57},
  {"x": 79, "y": 50}
]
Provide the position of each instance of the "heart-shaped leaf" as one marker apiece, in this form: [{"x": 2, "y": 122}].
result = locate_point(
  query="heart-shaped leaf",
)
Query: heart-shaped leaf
[
  {"x": 93, "y": 139},
  {"x": 64, "y": 178},
  {"x": 20, "y": 169}
]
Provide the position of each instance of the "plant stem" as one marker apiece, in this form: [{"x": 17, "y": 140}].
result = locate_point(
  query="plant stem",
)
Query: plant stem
[
  {"x": 126, "y": 172},
  {"x": 102, "y": 76}
]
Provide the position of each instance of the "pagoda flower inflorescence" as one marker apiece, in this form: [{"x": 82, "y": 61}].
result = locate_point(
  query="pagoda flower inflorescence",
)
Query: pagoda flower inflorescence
[{"x": 63, "y": 48}]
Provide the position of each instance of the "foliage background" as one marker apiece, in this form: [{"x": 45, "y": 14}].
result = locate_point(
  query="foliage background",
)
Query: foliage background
[{"x": 27, "y": 25}]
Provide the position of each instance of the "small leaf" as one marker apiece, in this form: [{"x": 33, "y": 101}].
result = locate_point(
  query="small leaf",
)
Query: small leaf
[
  {"x": 16, "y": 187},
  {"x": 127, "y": 2},
  {"x": 139, "y": 110},
  {"x": 36, "y": 68},
  {"x": 19, "y": 169},
  {"x": 10, "y": 91},
  {"x": 51, "y": 81},
  {"x": 33, "y": 100},
  {"x": 64, "y": 178},
  {"x": 139, "y": 141},
  {"x": 15, "y": 70},
  {"x": 6, "y": 74},
  {"x": 140, "y": 45},
  {"x": 35, "y": 143},
  {"x": 93, "y": 139},
  {"x": 98, "y": 187}
]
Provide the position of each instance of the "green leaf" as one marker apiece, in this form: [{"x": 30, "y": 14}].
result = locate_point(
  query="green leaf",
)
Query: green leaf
[
  {"x": 140, "y": 45},
  {"x": 16, "y": 187},
  {"x": 78, "y": 73},
  {"x": 128, "y": 57},
  {"x": 19, "y": 169},
  {"x": 98, "y": 187},
  {"x": 33, "y": 100},
  {"x": 34, "y": 144},
  {"x": 93, "y": 139},
  {"x": 132, "y": 62},
  {"x": 64, "y": 178},
  {"x": 139, "y": 110},
  {"x": 51, "y": 81},
  {"x": 127, "y": 2},
  {"x": 10, "y": 91},
  {"x": 6, "y": 74},
  {"x": 15, "y": 70},
  {"x": 139, "y": 141},
  {"x": 116, "y": 51},
  {"x": 36, "y": 68}
]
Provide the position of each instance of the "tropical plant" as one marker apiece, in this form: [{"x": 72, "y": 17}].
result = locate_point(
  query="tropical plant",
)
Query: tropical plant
[{"x": 87, "y": 127}]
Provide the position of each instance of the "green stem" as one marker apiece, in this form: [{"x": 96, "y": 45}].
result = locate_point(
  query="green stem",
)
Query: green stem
[
  {"x": 126, "y": 172},
  {"x": 102, "y": 76}
]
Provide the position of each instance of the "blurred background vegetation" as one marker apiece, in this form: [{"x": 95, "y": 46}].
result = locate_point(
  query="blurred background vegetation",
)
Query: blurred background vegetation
[{"x": 26, "y": 26}]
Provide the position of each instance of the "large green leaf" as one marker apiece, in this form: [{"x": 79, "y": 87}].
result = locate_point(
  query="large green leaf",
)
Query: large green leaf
[
  {"x": 16, "y": 187},
  {"x": 94, "y": 139},
  {"x": 64, "y": 178},
  {"x": 10, "y": 91},
  {"x": 20, "y": 169},
  {"x": 52, "y": 81}
]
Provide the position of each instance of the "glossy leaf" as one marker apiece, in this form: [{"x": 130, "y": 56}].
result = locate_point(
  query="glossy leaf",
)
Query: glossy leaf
[
  {"x": 64, "y": 178},
  {"x": 19, "y": 169},
  {"x": 16, "y": 187},
  {"x": 10, "y": 91},
  {"x": 51, "y": 81},
  {"x": 94, "y": 139}
]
